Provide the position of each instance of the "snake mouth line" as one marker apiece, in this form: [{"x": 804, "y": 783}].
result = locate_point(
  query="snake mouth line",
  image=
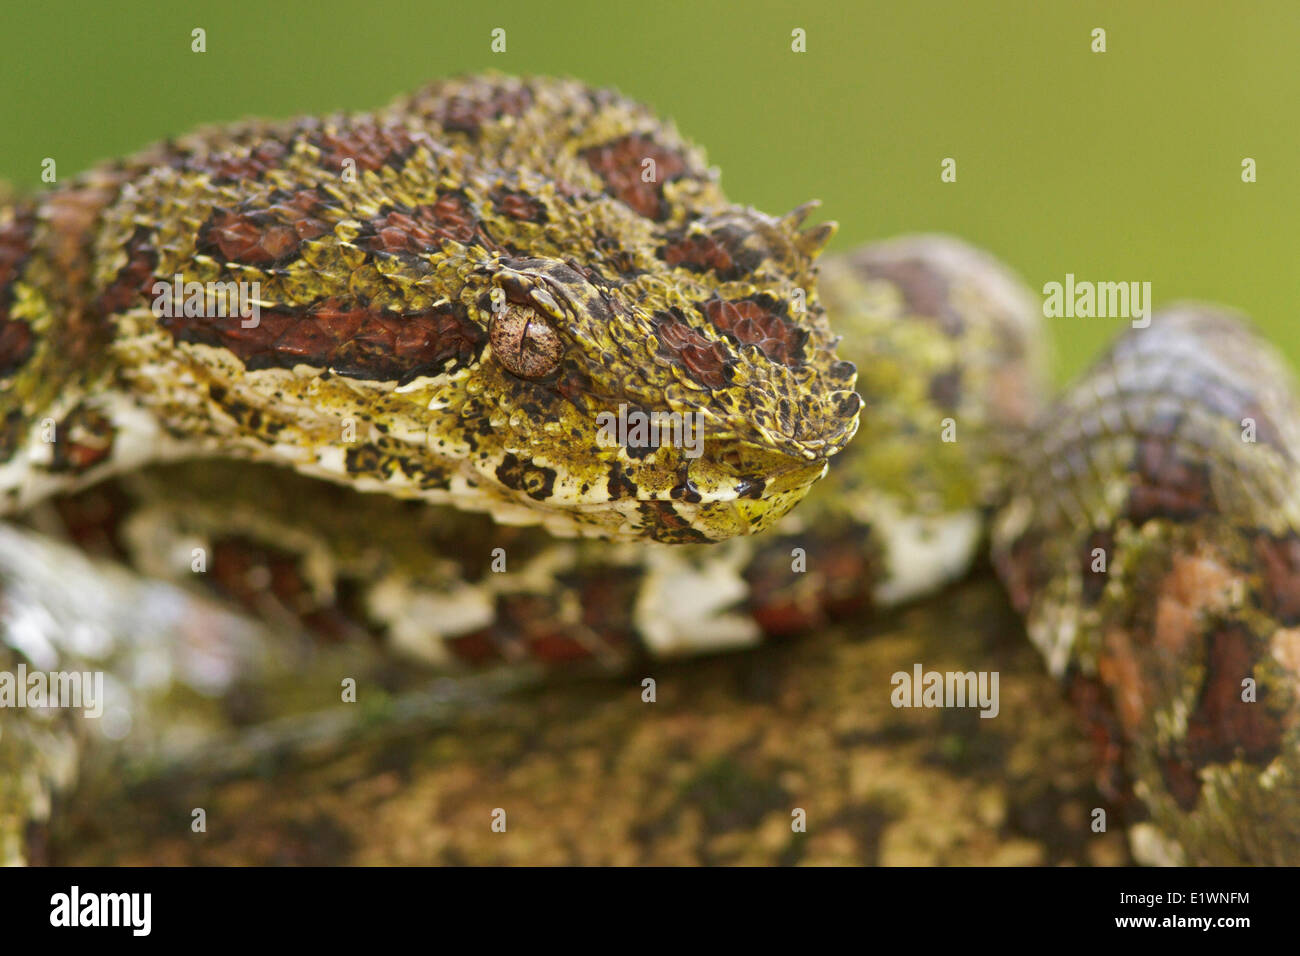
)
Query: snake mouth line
[{"x": 770, "y": 485}]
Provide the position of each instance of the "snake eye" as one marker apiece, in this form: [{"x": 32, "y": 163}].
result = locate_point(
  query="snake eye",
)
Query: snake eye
[{"x": 524, "y": 342}]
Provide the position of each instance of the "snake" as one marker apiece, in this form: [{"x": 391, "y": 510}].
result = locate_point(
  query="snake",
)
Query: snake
[{"x": 497, "y": 377}]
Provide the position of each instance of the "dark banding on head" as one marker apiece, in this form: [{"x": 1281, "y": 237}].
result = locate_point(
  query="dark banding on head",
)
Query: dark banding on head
[
  {"x": 573, "y": 385},
  {"x": 370, "y": 146},
  {"x": 232, "y": 166},
  {"x": 265, "y": 235},
  {"x": 372, "y": 344},
  {"x": 366, "y": 459},
  {"x": 424, "y": 228},
  {"x": 519, "y": 206},
  {"x": 721, "y": 251},
  {"x": 621, "y": 164},
  {"x": 760, "y": 320},
  {"x": 386, "y": 459},
  {"x": 685, "y": 490},
  {"x": 469, "y": 111},
  {"x": 71, "y": 219},
  {"x": 705, "y": 360}
]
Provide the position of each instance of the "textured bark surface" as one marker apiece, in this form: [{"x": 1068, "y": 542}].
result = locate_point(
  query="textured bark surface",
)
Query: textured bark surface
[{"x": 711, "y": 772}]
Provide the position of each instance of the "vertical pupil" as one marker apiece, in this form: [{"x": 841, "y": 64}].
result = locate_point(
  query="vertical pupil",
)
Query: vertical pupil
[{"x": 524, "y": 343}]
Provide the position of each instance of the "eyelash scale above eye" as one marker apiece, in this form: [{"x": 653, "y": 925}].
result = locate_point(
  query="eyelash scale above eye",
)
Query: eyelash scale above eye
[{"x": 546, "y": 302}]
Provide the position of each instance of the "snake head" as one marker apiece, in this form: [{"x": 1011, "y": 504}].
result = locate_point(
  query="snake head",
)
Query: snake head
[
  {"x": 673, "y": 401},
  {"x": 532, "y": 299}
]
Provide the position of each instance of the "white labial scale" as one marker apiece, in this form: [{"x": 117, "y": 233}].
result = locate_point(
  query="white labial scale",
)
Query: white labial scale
[
  {"x": 332, "y": 460},
  {"x": 922, "y": 552},
  {"x": 688, "y": 607}
]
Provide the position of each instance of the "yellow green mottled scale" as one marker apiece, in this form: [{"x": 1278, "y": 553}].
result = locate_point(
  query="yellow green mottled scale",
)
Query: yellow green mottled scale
[{"x": 379, "y": 262}]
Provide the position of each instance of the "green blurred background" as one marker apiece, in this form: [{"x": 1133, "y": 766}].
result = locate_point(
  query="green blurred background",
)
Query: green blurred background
[{"x": 1117, "y": 166}]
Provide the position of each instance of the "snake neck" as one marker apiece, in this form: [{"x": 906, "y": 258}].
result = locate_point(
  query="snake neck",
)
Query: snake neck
[{"x": 62, "y": 422}]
